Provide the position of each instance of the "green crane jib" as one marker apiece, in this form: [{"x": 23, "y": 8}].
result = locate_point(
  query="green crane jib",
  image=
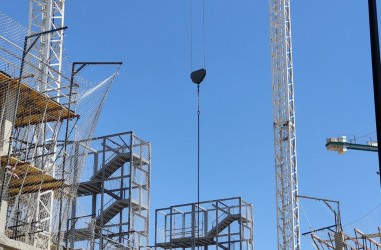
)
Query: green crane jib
[{"x": 342, "y": 144}]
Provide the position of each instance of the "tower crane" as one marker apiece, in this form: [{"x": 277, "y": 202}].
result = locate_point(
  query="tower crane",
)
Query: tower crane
[
  {"x": 286, "y": 175},
  {"x": 342, "y": 144}
]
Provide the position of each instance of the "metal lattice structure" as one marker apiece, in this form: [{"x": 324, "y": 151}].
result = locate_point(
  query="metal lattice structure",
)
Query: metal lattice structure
[
  {"x": 41, "y": 113},
  {"x": 342, "y": 144},
  {"x": 116, "y": 182},
  {"x": 45, "y": 15},
  {"x": 286, "y": 174},
  {"x": 217, "y": 224},
  {"x": 342, "y": 241}
]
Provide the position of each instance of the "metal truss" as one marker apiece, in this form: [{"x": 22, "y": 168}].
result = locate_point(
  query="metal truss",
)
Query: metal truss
[
  {"x": 47, "y": 15},
  {"x": 343, "y": 241},
  {"x": 216, "y": 224},
  {"x": 287, "y": 210},
  {"x": 112, "y": 207}
]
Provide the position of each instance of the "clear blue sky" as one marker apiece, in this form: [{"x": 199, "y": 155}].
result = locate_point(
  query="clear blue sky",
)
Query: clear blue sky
[{"x": 154, "y": 97}]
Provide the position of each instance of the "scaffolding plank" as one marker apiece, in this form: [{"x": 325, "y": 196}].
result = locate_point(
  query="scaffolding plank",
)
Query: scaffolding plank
[
  {"x": 34, "y": 107},
  {"x": 27, "y": 178}
]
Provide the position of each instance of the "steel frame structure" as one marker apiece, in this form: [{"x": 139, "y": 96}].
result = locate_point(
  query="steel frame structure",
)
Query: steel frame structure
[
  {"x": 286, "y": 175},
  {"x": 216, "y": 224},
  {"x": 341, "y": 241},
  {"x": 47, "y": 15},
  {"x": 113, "y": 200}
]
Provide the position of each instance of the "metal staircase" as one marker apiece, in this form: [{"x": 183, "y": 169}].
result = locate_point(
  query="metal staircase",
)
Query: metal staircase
[
  {"x": 115, "y": 208},
  {"x": 224, "y": 223},
  {"x": 111, "y": 166},
  {"x": 208, "y": 238},
  {"x": 119, "y": 192}
]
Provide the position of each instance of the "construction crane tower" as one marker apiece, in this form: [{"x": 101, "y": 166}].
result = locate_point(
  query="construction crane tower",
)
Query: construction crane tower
[
  {"x": 286, "y": 175},
  {"x": 45, "y": 15}
]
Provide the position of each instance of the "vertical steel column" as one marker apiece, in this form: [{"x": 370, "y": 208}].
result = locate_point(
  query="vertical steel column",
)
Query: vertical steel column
[
  {"x": 104, "y": 148},
  {"x": 122, "y": 196},
  {"x": 375, "y": 49},
  {"x": 193, "y": 226},
  {"x": 240, "y": 225},
  {"x": 94, "y": 196}
]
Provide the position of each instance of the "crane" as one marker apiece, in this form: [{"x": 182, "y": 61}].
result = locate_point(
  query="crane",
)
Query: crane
[
  {"x": 342, "y": 144},
  {"x": 286, "y": 175}
]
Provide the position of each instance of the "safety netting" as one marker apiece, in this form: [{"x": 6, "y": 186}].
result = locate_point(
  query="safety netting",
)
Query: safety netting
[{"x": 49, "y": 111}]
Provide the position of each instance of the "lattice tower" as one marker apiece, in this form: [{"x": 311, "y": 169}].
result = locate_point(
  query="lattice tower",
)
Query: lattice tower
[
  {"x": 46, "y": 15},
  {"x": 287, "y": 207}
]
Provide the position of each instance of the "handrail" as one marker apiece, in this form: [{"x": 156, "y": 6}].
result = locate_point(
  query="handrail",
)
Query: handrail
[{"x": 35, "y": 57}]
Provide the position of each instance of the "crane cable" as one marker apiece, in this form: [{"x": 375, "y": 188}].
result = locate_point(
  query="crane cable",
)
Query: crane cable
[
  {"x": 203, "y": 34},
  {"x": 197, "y": 77}
]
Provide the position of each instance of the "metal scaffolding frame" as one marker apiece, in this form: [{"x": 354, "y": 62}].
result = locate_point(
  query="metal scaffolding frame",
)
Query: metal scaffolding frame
[
  {"x": 116, "y": 182},
  {"x": 223, "y": 224},
  {"x": 41, "y": 113},
  {"x": 342, "y": 241}
]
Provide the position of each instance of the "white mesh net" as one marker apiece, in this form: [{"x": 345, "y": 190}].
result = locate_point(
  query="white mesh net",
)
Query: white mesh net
[{"x": 42, "y": 110}]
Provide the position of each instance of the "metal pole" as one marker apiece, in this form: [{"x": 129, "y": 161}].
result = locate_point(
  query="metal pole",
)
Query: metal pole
[{"x": 375, "y": 49}]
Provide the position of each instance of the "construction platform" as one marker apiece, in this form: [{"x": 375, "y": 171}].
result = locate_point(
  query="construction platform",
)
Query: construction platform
[
  {"x": 26, "y": 178},
  {"x": 224, "y": 223},
  {"x": 33, "y": 107},
  {"x": 115, "y": 191}
]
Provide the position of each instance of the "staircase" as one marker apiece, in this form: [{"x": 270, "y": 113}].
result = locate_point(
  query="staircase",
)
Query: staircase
[
  {"x": 112, "y": 165},
  {"x": 94, "y": 185},
  {"x": 117, "y": 204},
  {"x": 111, "y": 211},
  {"x": 224, "y": 223},
  {"x": 209, "y": 238}
]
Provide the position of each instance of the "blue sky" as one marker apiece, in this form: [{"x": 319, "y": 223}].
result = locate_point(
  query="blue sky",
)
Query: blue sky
[{"x": 154, "y": 97}]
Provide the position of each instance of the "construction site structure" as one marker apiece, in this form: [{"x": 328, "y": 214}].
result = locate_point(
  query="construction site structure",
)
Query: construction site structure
[
  {"x": 215, "y": 224},
  {"x": 45, "y": 106},
  {"x": 342, "y": 241},
  {"x": 342, "y": 144},
  {"x": 111, "y": 210},
  {"x": 286, "y": 173},
  {"x": 358, "y": 240}
]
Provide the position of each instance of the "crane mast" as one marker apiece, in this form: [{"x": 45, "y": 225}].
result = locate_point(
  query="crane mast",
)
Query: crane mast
[
  {"x": 45, "y": 15},
  {"x": 287, "y": 205}
]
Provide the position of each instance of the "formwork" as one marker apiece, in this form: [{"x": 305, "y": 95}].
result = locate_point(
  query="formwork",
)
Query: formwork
[
  {"x": 111, "y": 210},
  {"x": 216, "y": 224}
]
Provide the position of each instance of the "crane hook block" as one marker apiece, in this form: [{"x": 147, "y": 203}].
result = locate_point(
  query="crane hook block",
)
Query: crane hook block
[{"x": 198, "y": 76}]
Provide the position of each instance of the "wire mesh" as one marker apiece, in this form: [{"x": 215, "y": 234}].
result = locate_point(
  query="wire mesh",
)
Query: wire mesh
[{"x": 47, "y": 120}]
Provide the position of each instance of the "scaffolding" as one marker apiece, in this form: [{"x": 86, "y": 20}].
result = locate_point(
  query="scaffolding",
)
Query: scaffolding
[
  {"x": 220, "y": 224},
  {"x": 111, "y": 210},
  {"x": 342, "y": 241},
  {"x": 41, "y": 113}
]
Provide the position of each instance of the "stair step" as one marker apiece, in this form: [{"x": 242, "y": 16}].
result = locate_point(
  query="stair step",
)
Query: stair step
[
  {"x": 113, "y": 165},
  {"x": 115, "y": 208},
  {"x": 224, "y": 223}
]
